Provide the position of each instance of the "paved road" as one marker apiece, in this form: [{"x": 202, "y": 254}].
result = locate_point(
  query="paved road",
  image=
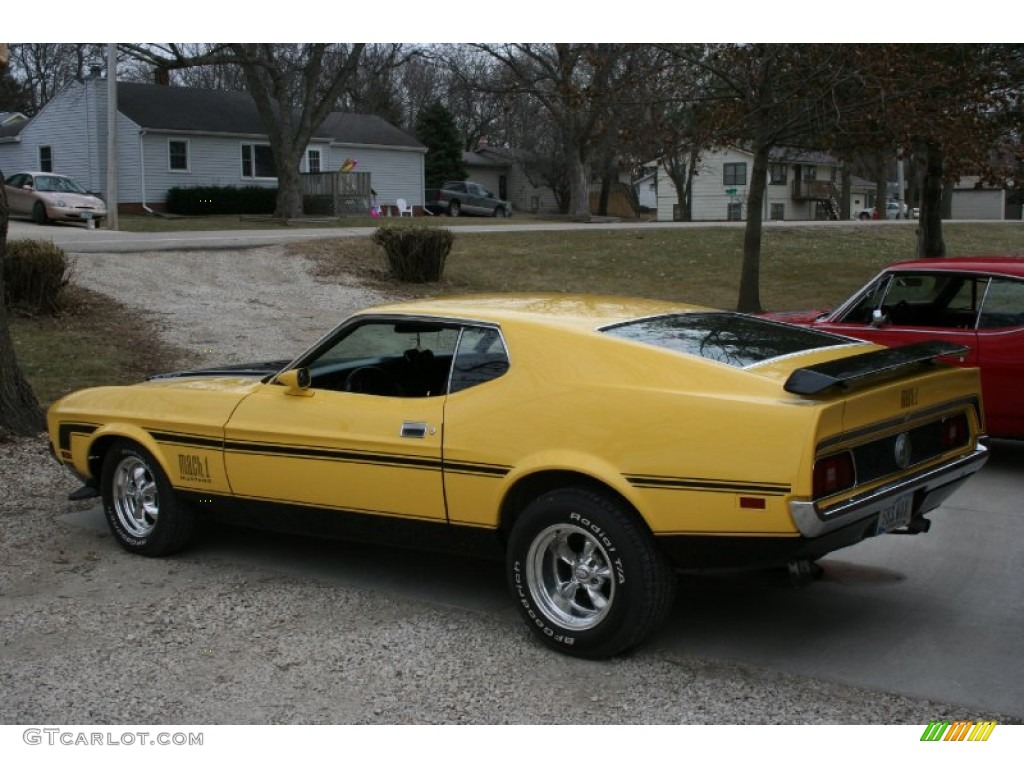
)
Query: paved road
[{"x": 938, "y": 616}]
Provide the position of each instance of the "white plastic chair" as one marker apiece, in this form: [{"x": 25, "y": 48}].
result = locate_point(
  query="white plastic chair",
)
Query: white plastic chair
[{"x": 403, "y": 207}]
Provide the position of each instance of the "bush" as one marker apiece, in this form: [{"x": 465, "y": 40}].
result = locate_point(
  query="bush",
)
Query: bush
[
  {"x": 35, "y": 275},
  {"x": 208, "y": 201},
  {"x": 415, "y": 254}
]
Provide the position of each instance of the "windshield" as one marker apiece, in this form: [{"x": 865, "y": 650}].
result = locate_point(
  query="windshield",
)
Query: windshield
[
  {"x": 58, "y": 184},
  {"x": 726, "y": 337}
]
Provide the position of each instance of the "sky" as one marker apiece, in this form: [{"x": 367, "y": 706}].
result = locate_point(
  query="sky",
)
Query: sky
[{"x": 522, "y": 20}]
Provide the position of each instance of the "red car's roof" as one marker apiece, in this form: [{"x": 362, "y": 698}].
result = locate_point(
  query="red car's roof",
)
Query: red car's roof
[{"x": 1002, "y": 265}]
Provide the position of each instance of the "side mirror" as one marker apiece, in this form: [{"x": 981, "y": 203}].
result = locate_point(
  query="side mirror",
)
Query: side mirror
[
  {"x": 296, "y": 382},
  {"x": 878, "y": 318}
]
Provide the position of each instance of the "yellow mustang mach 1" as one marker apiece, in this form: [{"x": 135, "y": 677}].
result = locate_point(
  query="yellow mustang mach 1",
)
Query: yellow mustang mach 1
[{"x": 598, "y": 443}]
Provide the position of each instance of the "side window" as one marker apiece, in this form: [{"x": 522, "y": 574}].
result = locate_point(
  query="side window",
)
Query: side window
[
  {"x": 870, "y": 301},
  {"x": 481, "y": 357},
  {"x": 1004, "y": 304},
  {"x": 387, "y": 358}
]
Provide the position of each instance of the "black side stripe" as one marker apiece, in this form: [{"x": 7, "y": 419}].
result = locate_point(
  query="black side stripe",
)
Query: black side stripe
[
  {"x": 465, "y": 468},
  {"x": 68, "y": 428},
  {"x": 714, "y": 486},
  {"x": 176, "y": 438}
]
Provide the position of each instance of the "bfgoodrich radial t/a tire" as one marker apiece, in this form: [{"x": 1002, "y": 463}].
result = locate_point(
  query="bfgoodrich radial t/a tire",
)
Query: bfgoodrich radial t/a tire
[
  {"x": 141, "y": 507},
  {"x": 586, "y": 574}
]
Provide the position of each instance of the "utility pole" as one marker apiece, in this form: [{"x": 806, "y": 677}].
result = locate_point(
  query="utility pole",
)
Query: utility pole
[
  {"x": 900, "y": 193},
  {"x": 112, "y": 220}
]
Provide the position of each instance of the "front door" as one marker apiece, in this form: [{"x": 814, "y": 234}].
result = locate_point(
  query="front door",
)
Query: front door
[
  {"x": 365, "y": 437},
  {"x": 350, "y": 451}
]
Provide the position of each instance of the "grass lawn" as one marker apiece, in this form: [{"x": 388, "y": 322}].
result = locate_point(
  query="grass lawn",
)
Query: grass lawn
[
  {"x": 98, "y": 341},
  {"x": 95, "y": 341},
  {"x": 134, "y": 223},
  {"x": 801, "y": 267}
]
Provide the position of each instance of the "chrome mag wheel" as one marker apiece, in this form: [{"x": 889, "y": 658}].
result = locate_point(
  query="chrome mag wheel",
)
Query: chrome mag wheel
[
  {"x": 135, "y": 497},
  {"x": 570, "y": 577}
]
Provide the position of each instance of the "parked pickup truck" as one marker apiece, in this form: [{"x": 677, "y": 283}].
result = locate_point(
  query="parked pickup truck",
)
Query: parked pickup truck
[{"x": 465, "y": 198}]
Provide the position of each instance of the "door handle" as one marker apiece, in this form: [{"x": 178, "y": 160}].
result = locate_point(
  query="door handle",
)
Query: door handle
[{"x": 417, "y": 429}]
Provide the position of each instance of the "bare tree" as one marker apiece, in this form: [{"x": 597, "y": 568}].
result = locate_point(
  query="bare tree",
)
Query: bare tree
[
  {"x": 577, "y": 86},
  {"x": 295, "y": 87},
  {"x": 19, "y": 410},
  {"x": 764, "y": 96},
  {"x": 45, "y": 68}
]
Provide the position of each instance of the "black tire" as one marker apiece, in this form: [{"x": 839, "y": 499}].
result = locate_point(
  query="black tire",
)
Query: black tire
[
  {"x": 499, "y": 211},
  {"x": 586, "y": 574},
  {"x": 454, "y": 208},
  {"x": 864, "y": 216},
  {"x": 39, "y": 214},
  {"x": 142, "y": 510}
]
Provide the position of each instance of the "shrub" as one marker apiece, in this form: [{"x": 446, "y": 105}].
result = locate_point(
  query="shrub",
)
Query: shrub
[
  {"x": 415, "y": 254},
  {"x": 208, "y": 201},
  {"x": 35, "y": 275}
]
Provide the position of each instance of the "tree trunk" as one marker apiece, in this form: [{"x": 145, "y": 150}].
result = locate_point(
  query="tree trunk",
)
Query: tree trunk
[
  {"x": 579, "y": 188},
  {"x": 750, "y": 275},
  {"x": 881, "y": 185},
  {"x": 19, "y": 410},
  {"x": 606, "y": 190},
  {"x": 846, "y": 183},
  {"x": 930, "y": 243},
  {"x": 289, "y": 193}
]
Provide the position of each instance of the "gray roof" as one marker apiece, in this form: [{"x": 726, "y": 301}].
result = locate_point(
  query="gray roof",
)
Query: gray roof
[
  {"x": 12, "y": 129},
  {"x": 11, "y": 124},
  {"x": 478, "y": 159},
  {"x": 202, "y": 110}
]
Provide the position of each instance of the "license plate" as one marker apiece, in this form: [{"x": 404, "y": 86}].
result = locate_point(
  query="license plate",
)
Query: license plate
[
  {"x": 86, "y": 215},
  {"x": 895, "y": 515}
]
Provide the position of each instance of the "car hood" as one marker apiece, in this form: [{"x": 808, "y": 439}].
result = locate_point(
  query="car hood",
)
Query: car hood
[
  {"x": 72, "y": 199},
  {"x": 260, "y": 370}
]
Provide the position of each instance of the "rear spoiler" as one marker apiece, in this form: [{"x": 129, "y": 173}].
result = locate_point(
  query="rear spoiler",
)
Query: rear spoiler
[{"x": 860, "y": 370}]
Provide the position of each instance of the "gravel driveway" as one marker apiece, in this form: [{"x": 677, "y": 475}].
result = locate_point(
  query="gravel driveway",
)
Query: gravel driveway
[{"x": 232, "y": 632}]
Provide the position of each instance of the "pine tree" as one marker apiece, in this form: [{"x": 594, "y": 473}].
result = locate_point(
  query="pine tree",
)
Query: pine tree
[{"x": 437, "y": 130}]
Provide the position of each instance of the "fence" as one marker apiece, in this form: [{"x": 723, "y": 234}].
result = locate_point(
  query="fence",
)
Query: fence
[{"x": 336, "y": 194}]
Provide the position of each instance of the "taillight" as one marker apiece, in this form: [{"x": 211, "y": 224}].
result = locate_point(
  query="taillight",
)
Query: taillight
[
  {"x": 833, "y": 474},
  {"x": 955, "y": 432}
]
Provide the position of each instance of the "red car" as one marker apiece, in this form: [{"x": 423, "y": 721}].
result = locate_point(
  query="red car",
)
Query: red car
[{"x": 977, "y": 301}]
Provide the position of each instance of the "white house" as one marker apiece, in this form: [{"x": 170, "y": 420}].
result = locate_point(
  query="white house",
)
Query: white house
[
  {"x": 178, "y": 137},
  {"x": 801, "y": 186},
  {"x": 972, "y": 199}
]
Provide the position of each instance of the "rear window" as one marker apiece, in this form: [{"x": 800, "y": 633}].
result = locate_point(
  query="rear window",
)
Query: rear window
[{"x": 725, "y": 337}]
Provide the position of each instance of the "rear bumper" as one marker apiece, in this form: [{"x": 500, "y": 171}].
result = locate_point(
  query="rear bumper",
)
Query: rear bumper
[{"x": 929, "y": 488}]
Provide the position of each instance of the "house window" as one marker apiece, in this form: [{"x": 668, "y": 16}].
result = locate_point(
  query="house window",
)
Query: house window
[
  {"x": 258, "y": 162},
  {"x": 46, "y": 159},
  {"x": 777, "y": 212},
  {"x": 313, "y": 160},
  {"x": 177, "y": 155},
  {"x": 810, "y": 172},
  {"x": 734, "y": 211},
  {"x": 777, "y": 173},
  {"x": 734, "y": 174}
]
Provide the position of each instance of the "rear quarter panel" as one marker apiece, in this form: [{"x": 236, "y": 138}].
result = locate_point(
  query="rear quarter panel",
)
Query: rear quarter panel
[{"x": 683, "y": 440}]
